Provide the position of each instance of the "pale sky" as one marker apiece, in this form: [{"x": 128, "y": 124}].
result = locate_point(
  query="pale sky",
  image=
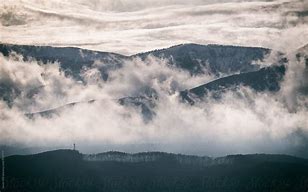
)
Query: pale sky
[{"x": 132, "y": 26}]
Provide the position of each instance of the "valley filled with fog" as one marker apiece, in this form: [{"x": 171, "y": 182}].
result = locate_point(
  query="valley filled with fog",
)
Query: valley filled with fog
[{"x": 205, "y": 78}]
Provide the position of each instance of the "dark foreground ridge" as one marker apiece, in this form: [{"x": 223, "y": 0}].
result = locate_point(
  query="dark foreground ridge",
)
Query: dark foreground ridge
[{"x": 68, "y": 170}]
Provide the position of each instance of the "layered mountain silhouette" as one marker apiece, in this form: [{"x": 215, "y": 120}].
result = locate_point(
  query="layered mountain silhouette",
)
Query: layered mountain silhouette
[
  {"x": 72, "y": 60},
  {"x": 216, "y": 59},
  {"x": 265, "y": 79},
  {"x": 213, "y": 59},
  {"x": 68, "y": 170},
  {"x": 231, "y": 65}
]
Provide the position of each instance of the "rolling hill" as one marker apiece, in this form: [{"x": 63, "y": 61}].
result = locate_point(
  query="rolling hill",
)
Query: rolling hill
[{"x": 67, "y": 170}]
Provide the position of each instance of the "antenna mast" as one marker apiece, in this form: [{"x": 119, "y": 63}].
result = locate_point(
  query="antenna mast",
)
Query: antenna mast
[{"x": 3, "y": 176}]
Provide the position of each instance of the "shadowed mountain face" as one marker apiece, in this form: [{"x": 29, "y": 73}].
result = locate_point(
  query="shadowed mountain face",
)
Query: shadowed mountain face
[
  {"x": 66, "y": 170},
  {"x": 8, "y": 92},
  {"x": 72, "y": 60},
  {"x": 215, "y": 60},
  {"x": 265, "y": 79}
]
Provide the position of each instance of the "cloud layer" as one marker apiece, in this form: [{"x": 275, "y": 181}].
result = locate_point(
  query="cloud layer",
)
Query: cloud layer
[
  {"x": 119, "y": 26},
  {"x": 241, "y": 122}
]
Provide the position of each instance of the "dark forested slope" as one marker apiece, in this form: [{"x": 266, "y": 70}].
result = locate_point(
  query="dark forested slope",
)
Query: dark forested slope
[{"x": 66, "y": 170}]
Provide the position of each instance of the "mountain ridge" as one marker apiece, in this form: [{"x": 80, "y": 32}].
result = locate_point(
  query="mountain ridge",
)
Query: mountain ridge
[
  {"x": 190, "y": 57},
  {"x": 67, "y": 170}
]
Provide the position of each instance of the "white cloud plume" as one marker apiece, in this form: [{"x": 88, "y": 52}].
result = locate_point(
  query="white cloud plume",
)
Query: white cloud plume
[
  {"x": 262, "y": 122},
  {"x": 242, "y": 122}
]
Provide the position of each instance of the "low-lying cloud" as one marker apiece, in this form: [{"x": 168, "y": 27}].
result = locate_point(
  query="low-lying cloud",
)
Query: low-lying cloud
[{"x": 240, "y": 122}]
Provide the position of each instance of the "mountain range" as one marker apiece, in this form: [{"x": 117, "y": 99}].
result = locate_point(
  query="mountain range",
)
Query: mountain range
[{"x": 231, "y": 67}]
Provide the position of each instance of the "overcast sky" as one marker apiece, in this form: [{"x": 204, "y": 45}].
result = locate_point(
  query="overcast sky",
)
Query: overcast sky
[{"x": 132, "y": 26}]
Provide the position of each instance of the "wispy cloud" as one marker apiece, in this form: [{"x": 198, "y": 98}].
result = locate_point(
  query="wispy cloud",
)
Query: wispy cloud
[{"x": 120, "y": 26}]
